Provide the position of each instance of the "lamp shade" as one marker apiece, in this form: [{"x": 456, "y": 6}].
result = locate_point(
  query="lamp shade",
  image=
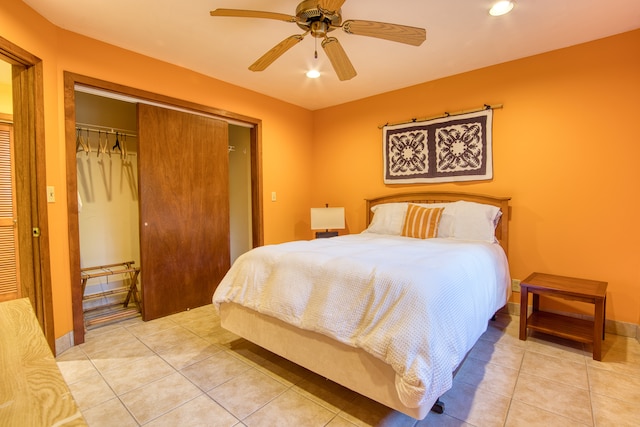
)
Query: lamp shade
[{"x": 327, "y": 218}]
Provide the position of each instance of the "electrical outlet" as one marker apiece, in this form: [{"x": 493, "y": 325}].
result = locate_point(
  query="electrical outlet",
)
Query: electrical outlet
[{"x": 515, "y": 285}]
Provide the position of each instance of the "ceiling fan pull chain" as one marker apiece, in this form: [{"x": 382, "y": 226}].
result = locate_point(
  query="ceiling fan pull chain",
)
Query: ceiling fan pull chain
[{"x": 315, "y": 53}]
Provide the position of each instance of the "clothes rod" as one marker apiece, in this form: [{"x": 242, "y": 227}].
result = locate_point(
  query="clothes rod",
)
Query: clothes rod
[
  {"x": 110, "y": 130},
  {"x": 113, "y": 131},
  {"x": 445, "y": 114}
]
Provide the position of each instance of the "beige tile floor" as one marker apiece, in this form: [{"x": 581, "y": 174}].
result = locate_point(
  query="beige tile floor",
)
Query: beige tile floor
[{"x": 185, "y": 370}]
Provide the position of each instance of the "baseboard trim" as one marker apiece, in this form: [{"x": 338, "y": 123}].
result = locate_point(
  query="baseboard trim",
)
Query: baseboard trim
[
  {"x": 64, "y": 343},
  {"x": 624, "y": 329}
]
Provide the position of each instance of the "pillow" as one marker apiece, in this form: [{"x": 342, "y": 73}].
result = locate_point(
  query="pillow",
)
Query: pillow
[
  {"x": 475, "y": 221},
  {"x": 445, "y": 228},
  {"x": 421, "y": 222},
  {"x": 388, "y": 218},
  {"x": 459, "y": 220}
]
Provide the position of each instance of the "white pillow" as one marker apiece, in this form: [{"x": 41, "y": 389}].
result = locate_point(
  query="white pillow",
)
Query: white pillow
[
  {"x": 388, "y": 218},
  {"x": 474, "y": 221}
]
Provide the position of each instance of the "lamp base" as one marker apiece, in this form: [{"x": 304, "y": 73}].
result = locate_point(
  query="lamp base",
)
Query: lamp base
[{"x": 323, "y": 234}]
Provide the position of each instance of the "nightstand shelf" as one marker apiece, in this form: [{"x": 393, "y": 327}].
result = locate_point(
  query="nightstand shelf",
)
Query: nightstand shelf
[
  {"x": 573, "y": 328},
  {"x": 562, "y": 326}
]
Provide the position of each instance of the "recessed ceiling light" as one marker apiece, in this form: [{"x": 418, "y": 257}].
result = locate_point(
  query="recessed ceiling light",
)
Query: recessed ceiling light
[
  {"x": 501, "y": 8},
  {"x": 313, "y": 74}
]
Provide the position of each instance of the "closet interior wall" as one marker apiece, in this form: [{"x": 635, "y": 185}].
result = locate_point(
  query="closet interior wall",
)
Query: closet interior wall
[
  {"x": 240, "y": 223},
  {"x": 108, "y": 214}
]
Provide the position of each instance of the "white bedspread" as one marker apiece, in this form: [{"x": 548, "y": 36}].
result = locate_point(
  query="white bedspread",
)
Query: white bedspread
[{"x": 419, "y": 305}]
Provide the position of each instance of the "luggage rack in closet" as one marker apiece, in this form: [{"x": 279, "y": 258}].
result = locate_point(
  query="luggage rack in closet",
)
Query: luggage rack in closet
[{"x": 111, "y": 311}]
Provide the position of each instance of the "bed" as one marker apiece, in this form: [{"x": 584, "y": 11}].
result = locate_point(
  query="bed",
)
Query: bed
[{"x": 389, "y": 313}]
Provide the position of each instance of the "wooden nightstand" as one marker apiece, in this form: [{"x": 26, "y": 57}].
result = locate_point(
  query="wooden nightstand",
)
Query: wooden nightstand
[{"x": 582, "y": 330}]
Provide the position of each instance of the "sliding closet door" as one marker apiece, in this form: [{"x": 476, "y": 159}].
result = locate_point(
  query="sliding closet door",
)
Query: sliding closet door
[{"x": 184, "y": 208}]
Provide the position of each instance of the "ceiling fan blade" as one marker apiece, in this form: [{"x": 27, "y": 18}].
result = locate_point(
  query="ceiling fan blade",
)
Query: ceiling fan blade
[
  {"x": 265, "y": 60},
  {"x": 382, "y": 30},
  {"x": 240, "y": 13},
  {"x": 339, "y": 59},
  {"x": 331, "y": 5}
]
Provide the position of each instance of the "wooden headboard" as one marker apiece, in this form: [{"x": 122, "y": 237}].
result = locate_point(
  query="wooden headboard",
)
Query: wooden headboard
[{"x": 502, "y": 229}]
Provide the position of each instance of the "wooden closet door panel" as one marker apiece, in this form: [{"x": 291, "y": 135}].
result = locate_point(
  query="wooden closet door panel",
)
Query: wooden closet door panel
[{"x": 184, "y": 209}]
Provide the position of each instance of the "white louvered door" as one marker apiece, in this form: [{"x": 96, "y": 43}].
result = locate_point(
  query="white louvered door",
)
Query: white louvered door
[{"x": 9, "y": 278}]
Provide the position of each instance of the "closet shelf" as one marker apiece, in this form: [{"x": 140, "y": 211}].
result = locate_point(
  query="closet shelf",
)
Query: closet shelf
[{"x": 110, "y": 312}]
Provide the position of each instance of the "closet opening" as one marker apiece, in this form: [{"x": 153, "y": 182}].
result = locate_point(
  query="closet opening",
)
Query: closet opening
[
  {"x": 107, "y": 176},
  {"x": 109, "y": 223}
]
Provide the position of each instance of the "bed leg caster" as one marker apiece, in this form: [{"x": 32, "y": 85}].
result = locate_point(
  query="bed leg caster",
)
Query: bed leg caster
[{"x": 438, "y": 407}]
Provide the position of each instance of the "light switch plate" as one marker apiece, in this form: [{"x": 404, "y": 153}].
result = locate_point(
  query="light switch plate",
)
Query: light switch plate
[{"x": 51, "y": 194}]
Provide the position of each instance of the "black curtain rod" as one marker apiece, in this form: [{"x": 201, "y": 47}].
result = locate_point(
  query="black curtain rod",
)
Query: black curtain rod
[{"x": 445, "y": 114}]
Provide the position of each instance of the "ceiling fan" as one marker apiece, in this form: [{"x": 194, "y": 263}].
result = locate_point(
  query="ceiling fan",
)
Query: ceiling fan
[{"x": 318, "y": 18}]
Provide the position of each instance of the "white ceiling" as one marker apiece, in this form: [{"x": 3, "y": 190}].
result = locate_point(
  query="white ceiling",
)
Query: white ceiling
[{"x": 461, "y": 36}]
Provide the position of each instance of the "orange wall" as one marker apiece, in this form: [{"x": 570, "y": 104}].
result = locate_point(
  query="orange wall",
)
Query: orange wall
[
  {"x": 566, "y": 150},
  {"x": 285, "y": 154}
]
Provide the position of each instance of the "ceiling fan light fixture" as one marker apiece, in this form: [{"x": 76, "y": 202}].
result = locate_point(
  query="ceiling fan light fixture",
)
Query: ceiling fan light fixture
[
  {"x": 313, "y": 74},
  {"x": 318, "y": 18},
  {"x": 501, "y": 8}
]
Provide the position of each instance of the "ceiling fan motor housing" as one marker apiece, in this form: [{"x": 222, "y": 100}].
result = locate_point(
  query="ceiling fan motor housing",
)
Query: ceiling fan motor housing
[{"x": 317, "y": 22}]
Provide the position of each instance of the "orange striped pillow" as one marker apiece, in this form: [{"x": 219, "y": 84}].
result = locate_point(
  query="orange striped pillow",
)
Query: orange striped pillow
[{"x": 421, "y": 222}]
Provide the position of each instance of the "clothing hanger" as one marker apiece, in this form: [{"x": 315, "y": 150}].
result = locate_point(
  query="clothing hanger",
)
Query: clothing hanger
[
  {"x": 80, "y": 142},
  {"x": 106, "y": 143},
  {"x": 117, "y": 144},
  {"x": 123, "y": 154},
  {"x": 88, "y": 145},
  {"x": 102, "y": 148},
  {"x": 99, "y": 144}
]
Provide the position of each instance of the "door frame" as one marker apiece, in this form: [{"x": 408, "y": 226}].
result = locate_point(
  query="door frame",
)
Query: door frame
[
  {"x": 70, "y": 82},
  {"x": 30, "y": 165}
]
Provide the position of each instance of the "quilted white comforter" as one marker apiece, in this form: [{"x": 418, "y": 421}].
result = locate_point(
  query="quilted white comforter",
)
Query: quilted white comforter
[{"x": 419, "y": 305}]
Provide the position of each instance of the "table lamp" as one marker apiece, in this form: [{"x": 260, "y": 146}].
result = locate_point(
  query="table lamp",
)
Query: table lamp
[{"x": 327, "y": 218}]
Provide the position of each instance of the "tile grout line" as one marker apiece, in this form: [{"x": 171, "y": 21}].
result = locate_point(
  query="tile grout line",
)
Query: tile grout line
[
  {"x": 126, "y": 408},
  {"x": 494, "y": 339}
]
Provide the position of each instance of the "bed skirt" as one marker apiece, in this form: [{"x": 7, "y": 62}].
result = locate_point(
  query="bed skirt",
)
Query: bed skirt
[{"x": 348, "y": 366}]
